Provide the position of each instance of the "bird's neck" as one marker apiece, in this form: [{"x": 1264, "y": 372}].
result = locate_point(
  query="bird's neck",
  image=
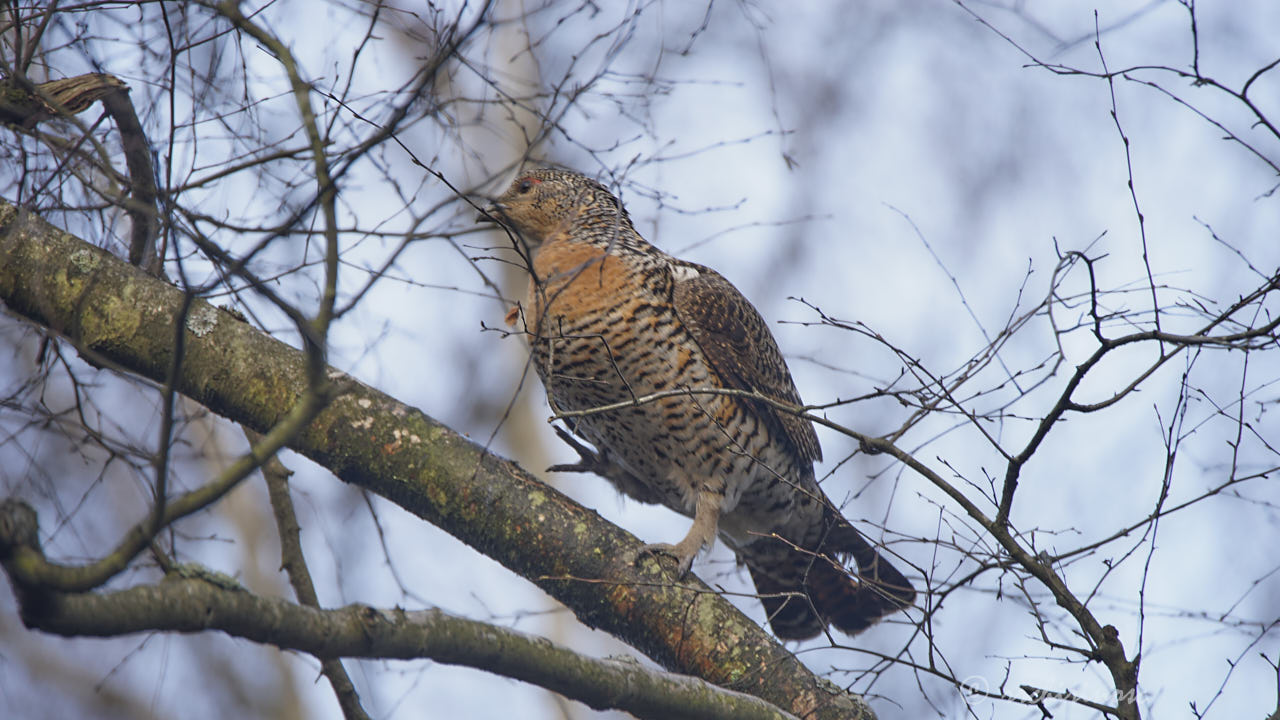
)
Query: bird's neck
[{"x": 610, "y": 230}]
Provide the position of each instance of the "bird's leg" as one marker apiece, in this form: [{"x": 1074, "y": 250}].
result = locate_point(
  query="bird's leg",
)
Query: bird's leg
[
  {"x": 706, "y": 518},
  {"x": 592, "y": 461}
]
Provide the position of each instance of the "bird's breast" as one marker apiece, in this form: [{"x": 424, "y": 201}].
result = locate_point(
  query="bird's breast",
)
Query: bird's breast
[
  {"x": 609, "y": 345},
  {"x": 575, "y": 284}
]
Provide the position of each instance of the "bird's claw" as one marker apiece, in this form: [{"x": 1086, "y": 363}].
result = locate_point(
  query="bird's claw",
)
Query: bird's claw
[
  {"x": 593, "y": 461},
  {"x": 684, "y": 561},
  {"x": 588, "y": 459},
  {"x": 582, "y": 466}
]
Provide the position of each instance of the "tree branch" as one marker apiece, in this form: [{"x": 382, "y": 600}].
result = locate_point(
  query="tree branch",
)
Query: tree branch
[
  {"x": 295, "y": 566},
  {"x": 197, "y": 600}
]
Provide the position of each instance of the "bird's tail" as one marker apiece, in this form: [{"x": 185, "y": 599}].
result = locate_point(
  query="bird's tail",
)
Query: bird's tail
[{"x": 804, "y": 589}]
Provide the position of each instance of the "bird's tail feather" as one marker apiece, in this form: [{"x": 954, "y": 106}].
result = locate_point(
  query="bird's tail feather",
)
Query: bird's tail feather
[{"x": 805, "y": 589}]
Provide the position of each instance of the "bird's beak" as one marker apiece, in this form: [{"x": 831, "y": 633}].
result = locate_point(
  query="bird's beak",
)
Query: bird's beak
[{"x": 492, "y": 213}]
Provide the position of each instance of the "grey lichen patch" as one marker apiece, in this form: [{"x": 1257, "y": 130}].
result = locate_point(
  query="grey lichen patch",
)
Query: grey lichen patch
[
  {"x": 84, "y": 261},
  {"x": 405, "y": 435},
  {"x": 202, "y": 320}
]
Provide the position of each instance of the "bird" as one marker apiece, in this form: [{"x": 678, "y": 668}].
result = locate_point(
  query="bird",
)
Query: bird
[{"x": 677, "y": 383}]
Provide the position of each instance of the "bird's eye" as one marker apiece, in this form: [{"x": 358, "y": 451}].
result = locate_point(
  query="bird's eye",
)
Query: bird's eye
[{"x": 526, "y": 185}]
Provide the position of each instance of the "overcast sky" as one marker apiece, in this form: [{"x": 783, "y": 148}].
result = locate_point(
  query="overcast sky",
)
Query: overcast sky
[{"x": 895, "y": 163}]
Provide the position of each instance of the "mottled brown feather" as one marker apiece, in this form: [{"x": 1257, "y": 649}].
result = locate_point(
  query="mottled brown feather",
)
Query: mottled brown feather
[{"x": 742, "y": 351}]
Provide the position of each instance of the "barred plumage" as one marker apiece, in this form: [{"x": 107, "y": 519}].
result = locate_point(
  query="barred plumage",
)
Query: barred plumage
[{"x": 612, "y": 319}]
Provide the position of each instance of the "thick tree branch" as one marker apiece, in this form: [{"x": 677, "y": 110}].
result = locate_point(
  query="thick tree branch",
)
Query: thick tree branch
[
  {"x": 117, "y": 314},
  {"x": 196, "y": 600}
]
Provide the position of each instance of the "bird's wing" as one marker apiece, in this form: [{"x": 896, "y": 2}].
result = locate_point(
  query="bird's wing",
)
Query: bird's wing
[{"x": 738, "y": 345}]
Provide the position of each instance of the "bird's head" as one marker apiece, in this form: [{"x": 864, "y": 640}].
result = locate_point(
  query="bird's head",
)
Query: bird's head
[{"x": 544, "y": 201}]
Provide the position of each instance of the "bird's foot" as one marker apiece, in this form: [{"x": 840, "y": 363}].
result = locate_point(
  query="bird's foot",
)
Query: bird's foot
[
  {"x": 683, "y": 556},
  {"x": 599, "y": 463},
  {"x": 588, "y": 460},
  {"x": 703, "y": 532}
]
